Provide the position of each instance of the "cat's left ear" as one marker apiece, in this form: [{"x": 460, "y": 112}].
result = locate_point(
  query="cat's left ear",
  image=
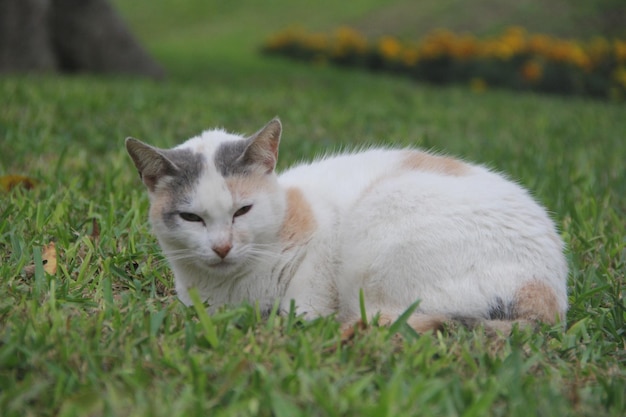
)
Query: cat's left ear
[{"x": 263, "y": 146}]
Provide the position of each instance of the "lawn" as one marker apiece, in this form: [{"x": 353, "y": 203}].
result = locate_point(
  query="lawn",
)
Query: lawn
[{"x": 105, "y": 336}]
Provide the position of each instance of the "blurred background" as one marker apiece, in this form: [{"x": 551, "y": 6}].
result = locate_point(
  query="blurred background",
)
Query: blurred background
[
  {"x": 204, "y": 38},
  {"x": 207, "y": 57}
]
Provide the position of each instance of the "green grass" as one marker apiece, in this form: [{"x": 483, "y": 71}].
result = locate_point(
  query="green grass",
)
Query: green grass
[{"x": 106, "y": 336}]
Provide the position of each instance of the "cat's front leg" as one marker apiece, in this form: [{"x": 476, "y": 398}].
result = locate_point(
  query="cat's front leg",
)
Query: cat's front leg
[{"x": 311, "y": 288}]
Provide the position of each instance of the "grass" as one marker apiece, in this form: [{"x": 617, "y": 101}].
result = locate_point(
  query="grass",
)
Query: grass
[{"x": 105, "y": 334}]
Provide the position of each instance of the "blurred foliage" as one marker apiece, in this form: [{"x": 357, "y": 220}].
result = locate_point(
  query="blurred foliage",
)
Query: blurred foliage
[{"x": 514, "y": 59}]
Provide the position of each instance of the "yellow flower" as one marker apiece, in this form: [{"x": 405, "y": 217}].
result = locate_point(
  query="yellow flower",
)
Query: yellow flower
[
  {"x": 465, "y": 47},
  {"x": 502, "y": 50},
  {"x": 348, "y": 40},
  {"x": 496, "y": 48},
  {"x": 285, "y": 38},
  {"x": 579, "y": 57},
  {"x": 515, "y": 39},
  {"x": 389, "y": 47},
  {"x": 437, "y": 44}
]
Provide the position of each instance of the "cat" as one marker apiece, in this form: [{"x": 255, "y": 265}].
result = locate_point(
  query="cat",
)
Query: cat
[{"x": 400, "y": 225}]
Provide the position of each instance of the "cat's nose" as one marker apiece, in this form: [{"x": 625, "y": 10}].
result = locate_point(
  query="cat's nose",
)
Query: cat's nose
[{"x": 222, "y": 250}]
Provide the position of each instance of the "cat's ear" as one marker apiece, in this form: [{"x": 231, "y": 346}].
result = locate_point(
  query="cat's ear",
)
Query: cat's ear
[
  {"x": 263, "y": 146},
  {"x": 150, "y": 162}
]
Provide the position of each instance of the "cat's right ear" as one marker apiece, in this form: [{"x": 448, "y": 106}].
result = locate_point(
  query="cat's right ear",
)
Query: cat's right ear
[
  {"x": 263, "y": 146},
  {"x": 150, "y": 162}
]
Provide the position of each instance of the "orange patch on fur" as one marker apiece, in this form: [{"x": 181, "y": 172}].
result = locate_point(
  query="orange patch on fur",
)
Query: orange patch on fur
[
  {"x": 422, "y": 161},
  {"x": 299, "y": 220},
  {"x": 421, "y": 323},
  {"x": 158, "y": 202},
  {"x": 536, "y": 301},
  {"x": 244, "y": 186}
]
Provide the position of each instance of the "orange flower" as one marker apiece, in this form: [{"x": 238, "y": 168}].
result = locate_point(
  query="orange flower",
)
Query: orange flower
[
  {"x": 532, "y": 71},
  {"x": 539, "y": 44},
  {"x": 465, "y": 47}
]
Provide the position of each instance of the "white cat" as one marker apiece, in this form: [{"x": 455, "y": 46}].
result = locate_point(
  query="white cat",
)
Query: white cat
[{"x": 400, "y": 225}]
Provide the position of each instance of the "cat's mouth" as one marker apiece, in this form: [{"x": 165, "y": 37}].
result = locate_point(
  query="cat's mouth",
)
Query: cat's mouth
[{"x": 221, "y": 264}]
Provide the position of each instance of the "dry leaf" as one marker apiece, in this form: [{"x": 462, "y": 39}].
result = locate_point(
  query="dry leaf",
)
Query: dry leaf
[
  {"x": 348, "y": 332},
  {"x": 8, "y": 182},
  {"x": 49, "y": 259},
  {"x": 95, "y": 229}
]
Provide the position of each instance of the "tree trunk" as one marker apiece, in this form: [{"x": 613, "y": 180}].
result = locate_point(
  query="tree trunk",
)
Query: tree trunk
[{"x": 69, "y": 36}]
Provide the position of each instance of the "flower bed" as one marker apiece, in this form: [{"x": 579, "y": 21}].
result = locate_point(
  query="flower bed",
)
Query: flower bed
[{"x": 515, "y": 59}]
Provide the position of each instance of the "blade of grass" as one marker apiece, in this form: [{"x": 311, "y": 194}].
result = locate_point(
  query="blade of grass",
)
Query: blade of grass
[
  {"x": 210, "y": 332},
  {"x": 40, "y": 276},
  {"x": 362, "y": 306},
  {"x": 404, "y": 317}
]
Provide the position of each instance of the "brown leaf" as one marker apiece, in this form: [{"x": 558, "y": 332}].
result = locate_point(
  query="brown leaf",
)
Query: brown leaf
[
  {"x": 49, "y": 257},
  {"x": 8, "y": 182},
  {"x": 348, "y": 332},
  {"x": 95, "y": 229}
]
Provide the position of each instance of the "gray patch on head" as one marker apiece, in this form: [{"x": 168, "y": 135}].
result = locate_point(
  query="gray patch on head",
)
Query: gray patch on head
[
  {"x": 229, "y": 158},
  {"x": 189, "y": 168},
  {"x": 499, "y": 310}
]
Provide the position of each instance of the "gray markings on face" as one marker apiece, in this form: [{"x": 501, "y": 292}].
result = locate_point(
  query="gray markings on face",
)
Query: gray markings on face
[
  {"x": 190, "y": 166},
  {"x": 230, "y": 158}
]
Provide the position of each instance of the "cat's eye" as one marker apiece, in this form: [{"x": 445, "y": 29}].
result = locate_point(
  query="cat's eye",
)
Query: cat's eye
[
  {"x": 242, "y": 211},
  {"x": 190, "y": 217}
]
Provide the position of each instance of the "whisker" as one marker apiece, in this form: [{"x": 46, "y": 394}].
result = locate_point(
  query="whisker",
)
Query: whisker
[{"x": 263, "y": 254}]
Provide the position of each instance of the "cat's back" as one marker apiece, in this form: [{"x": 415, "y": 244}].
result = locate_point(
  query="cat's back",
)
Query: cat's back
[
  {"x": 346, "y": 176},
  {"x": 375, "y": 185}
]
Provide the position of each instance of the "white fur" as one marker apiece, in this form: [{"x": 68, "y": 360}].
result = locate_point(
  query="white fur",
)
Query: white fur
[{"x": 457, "y": 243}]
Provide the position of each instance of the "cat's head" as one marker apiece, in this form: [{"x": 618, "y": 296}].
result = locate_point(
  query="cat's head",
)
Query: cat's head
[{"x": 215, "y": 204}]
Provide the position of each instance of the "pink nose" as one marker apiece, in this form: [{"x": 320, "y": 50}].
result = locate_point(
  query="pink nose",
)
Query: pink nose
[{"x": 222, "y": 250}]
